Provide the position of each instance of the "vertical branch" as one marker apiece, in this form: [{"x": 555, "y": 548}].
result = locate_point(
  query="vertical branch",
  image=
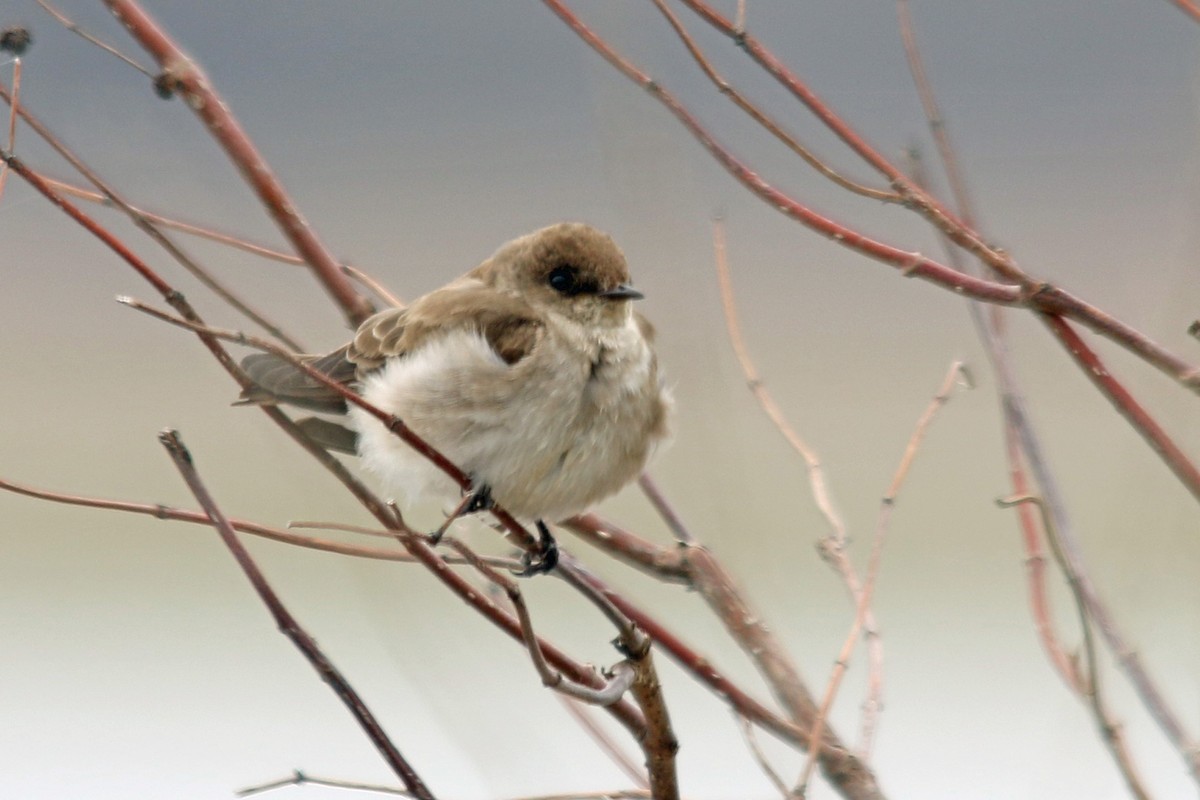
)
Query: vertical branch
[
  {"x": 1088, "y": 687},
  {"x": 953, "y": 375},
  {"x": 288, "y": 624},
  {"x": 832, "y": 546},
  {"x": 182, "y": 75}
]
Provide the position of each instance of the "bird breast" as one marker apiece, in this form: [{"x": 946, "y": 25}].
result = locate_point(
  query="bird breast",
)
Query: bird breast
[{"x": 566, "y": 426}]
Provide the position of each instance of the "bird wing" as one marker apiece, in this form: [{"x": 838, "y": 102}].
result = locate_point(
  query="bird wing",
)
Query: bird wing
[
  {"x": 509, "y": 325},
  {"x": 280, "y": 381}
]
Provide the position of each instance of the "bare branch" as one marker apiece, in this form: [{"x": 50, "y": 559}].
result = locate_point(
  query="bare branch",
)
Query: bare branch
[
  {"x": 1088, "y": 687},
  {"x": 70, "y": 25},
  {"x": 1125, "y": 403},
  {"x": 762, "y": 118},
  {"x": 148, "y": 226},
  {"x": 288, "y": 624},
  {"x": 953, "y": 376},
  {"x": 184, "y": 77}
]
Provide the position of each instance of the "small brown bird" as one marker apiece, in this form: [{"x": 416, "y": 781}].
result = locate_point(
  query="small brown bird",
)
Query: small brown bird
[{"x": 532, "y": 373}]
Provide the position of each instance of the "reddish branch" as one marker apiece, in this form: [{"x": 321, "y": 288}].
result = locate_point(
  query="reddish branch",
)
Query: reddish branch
[
  {"x": 1188, "y": 7},
  {"x": 147, "y": 223},
  {"x": 695, "y": 566},
  {"x": 624, "y": 712},
  {"x": 954, "y": 375},
  {"x": 288, "y": 624},
  {"x": 1019, "y": 436},
  {"x": 184, "y": 77},
  {"x": 1125, "y": 403},
  {"x": 1027, "y": 291}
]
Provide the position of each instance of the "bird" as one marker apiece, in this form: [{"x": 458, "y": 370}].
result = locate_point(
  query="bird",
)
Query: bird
[{"x": 532, "y": 373}]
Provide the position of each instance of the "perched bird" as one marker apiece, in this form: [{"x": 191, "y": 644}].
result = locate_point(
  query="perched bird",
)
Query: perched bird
[{"x": 532, "y": 373}]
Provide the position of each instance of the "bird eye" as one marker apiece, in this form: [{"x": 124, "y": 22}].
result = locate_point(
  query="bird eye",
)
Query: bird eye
[{"x": 564, "y": 279}]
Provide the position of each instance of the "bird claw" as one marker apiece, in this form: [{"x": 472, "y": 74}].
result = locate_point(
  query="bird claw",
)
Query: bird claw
[
  {"x": 543, "y": 559},
  {"x": 480, "y": 500}
]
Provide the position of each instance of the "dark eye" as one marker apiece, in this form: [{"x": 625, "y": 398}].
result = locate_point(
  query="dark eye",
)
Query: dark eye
[{"x": 564, "y": 279}]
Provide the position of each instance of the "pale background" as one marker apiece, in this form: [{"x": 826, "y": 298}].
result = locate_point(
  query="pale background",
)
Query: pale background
[{"x": 419, "y": 136}]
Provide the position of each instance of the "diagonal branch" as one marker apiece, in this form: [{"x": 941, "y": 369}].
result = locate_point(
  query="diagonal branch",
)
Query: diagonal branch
[
  {"x": 182, "y": 75},
  {"x": 288, "y": 624}
]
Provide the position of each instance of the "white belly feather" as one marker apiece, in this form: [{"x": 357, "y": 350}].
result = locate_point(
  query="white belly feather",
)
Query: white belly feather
[{"x": 551, "y": 434}]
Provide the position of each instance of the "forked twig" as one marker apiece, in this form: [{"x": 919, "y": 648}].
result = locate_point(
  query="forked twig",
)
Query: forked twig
[
  {"x": 769, "y": 124},
  {"x": 833, "y": 546},
  {"x": 183, "y": 76},
  {"x": 954, "y": 376},
  {"x": 147, "y": 224},
  {"x": 1088, "y": 687},
  {"x": 288, "y": 624}
]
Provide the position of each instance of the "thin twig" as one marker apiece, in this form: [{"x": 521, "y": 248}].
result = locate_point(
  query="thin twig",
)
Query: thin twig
[
  {"x": 954, "y": 376},
  {"x": 605, "y": 695},
  {"x": 299, "y": 778},
  {"x": 1018, "y": 428},
  {"x": 760, "y": 758},
  {"x": 579, "y": 712},
  {"x": 229, "y": 240},
  {"x": 769, "y": 124},
  {"x": 184, "y": 77},
  {"x": 148, "y": 226},
  {"x": 1088, "y": 687},
  {"x": 833, "y": 546},
  {"x": 288, "y": 624},
  {"x": 1125, "y": 404},
  {"x": 105, "y": 46},
  {"x": 665, "y": 510},
  {"x": 12, "y": 120},
  {"x": 1029, "y": 292}
]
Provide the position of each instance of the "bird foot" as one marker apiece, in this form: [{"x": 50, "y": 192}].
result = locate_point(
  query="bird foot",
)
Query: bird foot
[
  {"x": 477, "y": 500},
  {"x": 544, "y": 558}
]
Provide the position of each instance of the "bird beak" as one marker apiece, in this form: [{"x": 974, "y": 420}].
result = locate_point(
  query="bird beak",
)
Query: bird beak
[{"x": 621, "y": 292}]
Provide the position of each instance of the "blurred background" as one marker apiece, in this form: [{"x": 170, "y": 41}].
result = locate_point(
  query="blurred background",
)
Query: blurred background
[{"x": 416, "y": 138}]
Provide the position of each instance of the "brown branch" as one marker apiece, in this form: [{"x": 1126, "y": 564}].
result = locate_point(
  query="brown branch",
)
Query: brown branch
[
  {"x": 1031, "y": 293},
  {"x": 954, "y": 376},
  {"x": 659, "y": 744},
  {"x": 833, "y": 546},
  {"x": 1188, "y": 7},
  {"x": 184, "y": 77},
  {"x": 580, "y": 714},
  {"x": 70, "y": 25},
  {"x": 288, "y": 624},
  {"x": 762, "y": 118},
  {"x": 1126, "y": 405},
  {"x": 1088, "y": 687},
  {"x": 147, "y": 224}
]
